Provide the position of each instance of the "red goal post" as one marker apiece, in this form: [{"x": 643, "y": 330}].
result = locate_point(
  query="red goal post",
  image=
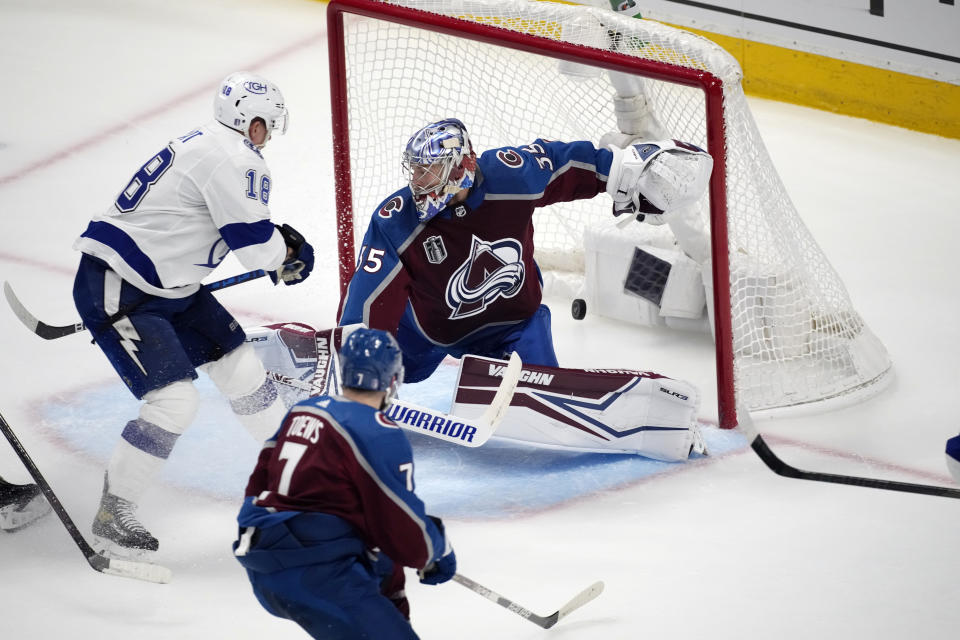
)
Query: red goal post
[{"x": 393, "y": 62}]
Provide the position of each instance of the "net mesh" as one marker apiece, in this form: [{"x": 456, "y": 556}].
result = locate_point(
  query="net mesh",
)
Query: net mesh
[{"x": 796, "y": 337}]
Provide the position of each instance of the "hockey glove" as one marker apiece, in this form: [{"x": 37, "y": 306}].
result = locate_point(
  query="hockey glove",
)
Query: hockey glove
[
  {"x": 295, "y": 269},
  {"x": 638, "y": 208},
  {"x": 654, "y": 177},
  {"x": 441, "y": 570}
]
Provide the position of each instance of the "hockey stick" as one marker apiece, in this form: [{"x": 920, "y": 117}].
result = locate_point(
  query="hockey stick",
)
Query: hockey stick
[
  {"x": 546, "y": 622},
  {"x": 462, "y": 431},
  {"x": 52, "y": 332},
  {"x": 112, "y": 566},
  {"x": 469, "y": 433},
  {"x": 781, "y": 468}
]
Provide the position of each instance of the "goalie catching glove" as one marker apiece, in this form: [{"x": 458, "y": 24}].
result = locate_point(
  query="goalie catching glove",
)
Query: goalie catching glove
[
  {"x": 298, "y": 266},
  {"x": 650, "y": 178}
]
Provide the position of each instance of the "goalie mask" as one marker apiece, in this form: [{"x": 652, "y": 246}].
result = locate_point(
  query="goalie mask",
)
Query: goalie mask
[
  {"x": 439, "y": 162},
  {"x": 243, "y": 96},
  {"x": 370, "y": 360}
]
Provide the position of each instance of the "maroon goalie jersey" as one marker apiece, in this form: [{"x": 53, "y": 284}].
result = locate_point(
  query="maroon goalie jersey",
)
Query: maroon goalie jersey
[{"x": 470, "y": 269}]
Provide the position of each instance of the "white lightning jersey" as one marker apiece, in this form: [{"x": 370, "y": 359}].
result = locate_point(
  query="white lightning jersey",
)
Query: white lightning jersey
[{"x": 203, "y": 195}]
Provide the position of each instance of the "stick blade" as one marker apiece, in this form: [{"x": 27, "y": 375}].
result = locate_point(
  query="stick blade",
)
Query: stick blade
[
  {"x": 18, "y": 309},
  {"x": 745, "y": 423},
  {"x": 582, "y": 598},
  {"x": 45, "y": 331},
  {"x": 146, "y": 571}
]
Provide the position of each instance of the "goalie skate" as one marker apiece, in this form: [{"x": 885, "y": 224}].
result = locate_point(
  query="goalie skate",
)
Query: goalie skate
[{"x": 20, "y": 505}]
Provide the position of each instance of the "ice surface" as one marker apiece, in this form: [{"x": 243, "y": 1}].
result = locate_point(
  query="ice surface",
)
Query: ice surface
[{"x": 717, "y": 548}]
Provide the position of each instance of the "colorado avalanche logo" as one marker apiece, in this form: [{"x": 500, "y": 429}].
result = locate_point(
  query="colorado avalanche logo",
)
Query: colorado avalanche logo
[{"x": 494, "y": 269}]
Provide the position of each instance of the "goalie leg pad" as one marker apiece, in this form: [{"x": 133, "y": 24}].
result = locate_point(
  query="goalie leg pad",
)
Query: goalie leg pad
[
  {"x": 668, "y": 279},
  {"x": 647, "y": 276},
  {"x": 322, "y": 378},
  {"x": 299, "y": 357},
  {"x": 641, "y": 277},
  {"x": 618, "y": 411},
  {"x": 683, "y": 294}
]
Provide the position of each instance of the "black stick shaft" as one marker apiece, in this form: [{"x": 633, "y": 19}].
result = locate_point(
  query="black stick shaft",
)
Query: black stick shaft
[
  {"x": 51, "y": 497},
  {"x": 781, "y": 468},
  {"x": 52, "y": 332}
]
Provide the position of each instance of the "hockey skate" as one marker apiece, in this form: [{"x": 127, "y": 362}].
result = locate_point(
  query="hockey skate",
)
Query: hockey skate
[
  {"x": 20, "y": 505},
  {"x": 116, "y": 530}
]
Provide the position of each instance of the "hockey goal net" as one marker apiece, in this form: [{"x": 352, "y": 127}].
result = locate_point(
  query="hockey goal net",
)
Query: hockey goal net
[{"x": 786, "y": 332}]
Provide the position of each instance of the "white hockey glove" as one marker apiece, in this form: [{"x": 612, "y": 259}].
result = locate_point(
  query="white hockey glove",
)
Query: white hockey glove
[{"x": 650, "y": 178}]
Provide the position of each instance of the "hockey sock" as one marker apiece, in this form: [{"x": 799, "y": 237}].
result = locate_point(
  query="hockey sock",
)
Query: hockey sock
[
  {"x": 138, "y": 458},
  {"x": 260, "y": 412}
]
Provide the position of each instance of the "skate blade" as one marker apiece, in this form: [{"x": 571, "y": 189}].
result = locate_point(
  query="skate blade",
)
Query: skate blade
[
  {"x": 13, "y": 518},
  {"x": 110, "y": 549}
]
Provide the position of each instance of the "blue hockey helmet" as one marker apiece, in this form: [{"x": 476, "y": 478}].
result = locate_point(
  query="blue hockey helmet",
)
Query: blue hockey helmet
[
  {"x": 370, "y": 359},
  {"x": 439, "y": 162}
]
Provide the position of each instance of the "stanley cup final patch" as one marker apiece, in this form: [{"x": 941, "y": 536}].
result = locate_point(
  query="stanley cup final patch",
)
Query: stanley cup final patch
[{"x": 436, "y": 252}]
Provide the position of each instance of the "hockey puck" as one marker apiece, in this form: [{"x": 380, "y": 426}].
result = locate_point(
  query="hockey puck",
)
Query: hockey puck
[{"x": 578, "y": 309}]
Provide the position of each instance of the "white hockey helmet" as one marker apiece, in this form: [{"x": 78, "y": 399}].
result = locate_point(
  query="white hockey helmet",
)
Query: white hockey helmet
[{"x": 243, "y": 96}]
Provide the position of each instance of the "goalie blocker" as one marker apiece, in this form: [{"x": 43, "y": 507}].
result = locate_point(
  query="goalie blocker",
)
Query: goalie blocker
[
  {"x": 617, "y": 411},
  {"x": 586, "y": 410}
]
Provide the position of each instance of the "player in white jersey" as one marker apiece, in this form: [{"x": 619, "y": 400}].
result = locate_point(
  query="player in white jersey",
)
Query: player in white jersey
[{"x": 138, "y": 289}]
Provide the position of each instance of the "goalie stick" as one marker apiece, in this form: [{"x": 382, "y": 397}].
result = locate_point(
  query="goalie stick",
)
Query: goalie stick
[
  {"x": 781, "y": 468},
  {"x": 111, "y": 566},
  {"x": 546, "y": 622},
  {"x": 52, "y": 332},
  {"x": 462, "y": 431}
]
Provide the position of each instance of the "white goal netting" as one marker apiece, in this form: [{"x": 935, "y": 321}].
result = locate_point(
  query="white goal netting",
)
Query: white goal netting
[{"x": 794, "y": 336}]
